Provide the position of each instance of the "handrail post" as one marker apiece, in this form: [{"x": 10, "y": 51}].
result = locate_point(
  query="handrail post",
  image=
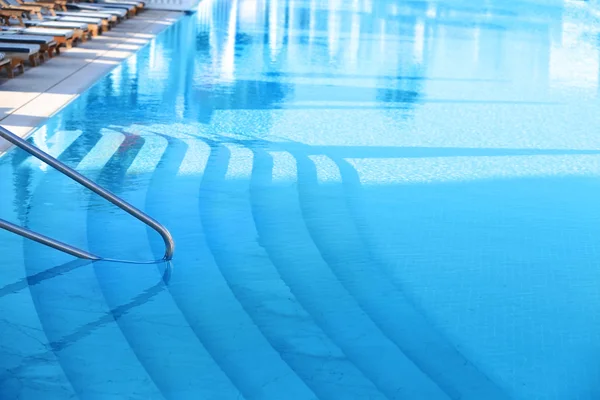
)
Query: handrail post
[{"x": 87, "y": 183}]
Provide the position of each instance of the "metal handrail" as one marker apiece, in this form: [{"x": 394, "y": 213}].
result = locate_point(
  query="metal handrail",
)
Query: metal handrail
[{"x": 82, "y": 180}]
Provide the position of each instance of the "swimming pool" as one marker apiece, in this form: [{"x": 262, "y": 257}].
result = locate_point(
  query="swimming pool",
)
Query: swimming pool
[{"x": 370, "y": 199}]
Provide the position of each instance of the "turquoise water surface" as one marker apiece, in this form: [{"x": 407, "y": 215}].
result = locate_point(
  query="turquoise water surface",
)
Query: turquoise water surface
[{"x": 371, "y": 199}]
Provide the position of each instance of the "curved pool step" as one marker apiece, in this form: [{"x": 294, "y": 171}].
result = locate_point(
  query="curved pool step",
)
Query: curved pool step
[
  {"x": 257, "y": 285},
  {"x": 159, "y": 335},
  {"x": 285, "y": 237},
  {"x": 91, "y": 348},
  {"x": 19, "y": 322},
  {"x": 197, "y": 285},
  {"x": 280, "y": 378},
  {"x": 332, "y": 227}
]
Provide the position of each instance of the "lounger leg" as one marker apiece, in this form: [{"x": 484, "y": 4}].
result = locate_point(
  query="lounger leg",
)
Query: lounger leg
[
  {"x": 18, "y": 64},
  {"x": 80, "y": 35},
  {"x": 68, "y": 43},
  {"x": 93, "y": 30},
  {"x": 33, "y": 60},
  {"x": 9, "y": 70}
]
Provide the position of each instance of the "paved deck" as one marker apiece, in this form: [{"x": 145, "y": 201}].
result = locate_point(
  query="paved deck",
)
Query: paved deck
[{"x": 30, "y": 99}]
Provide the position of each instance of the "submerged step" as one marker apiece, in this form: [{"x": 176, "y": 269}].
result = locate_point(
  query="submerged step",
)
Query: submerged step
[
  {"x": 73, "y": 311},
  {"x": 199, "y": 289},
  {"x": 151, "y": 322},
  {"x": 283, "y": 234},
  {"x": 324, "y": 204},
  {"x": 257, "y": 285}
]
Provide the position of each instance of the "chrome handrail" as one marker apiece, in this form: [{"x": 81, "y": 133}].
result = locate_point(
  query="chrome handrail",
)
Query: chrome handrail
[
  {"x": 82, "y": 180},
  {"x": 45, "y": 240}
]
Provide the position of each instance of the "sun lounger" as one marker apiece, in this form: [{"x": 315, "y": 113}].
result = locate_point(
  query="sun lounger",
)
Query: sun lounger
[
  {"x": 47, "y": 4},
  {"x": 36, "y": 7},
  {"x": 88, "y": 7},
  {"x": 48, "y": 45},
  {"x": 89, "y": 28},
  {"x": 137, "y": 4},
  {"x": 6, "y": 15},
  {"x": 131, "y": 9},
  {"x": 20, "y": 12},
  {"x": 22, "y": 51},
  {"x": 51, "y": 6},
  {"x": 94, "y": 25},
  {"x": 26, "y": 10},
  {"x": 80, "y": 31},
  {"x": 107, "y": 20},
  {"x": 64, "y": 37},
  {"x": 9, "y": 65},
  {"x": 116, "y": 4},
  {"x": 120, "y": 11}
]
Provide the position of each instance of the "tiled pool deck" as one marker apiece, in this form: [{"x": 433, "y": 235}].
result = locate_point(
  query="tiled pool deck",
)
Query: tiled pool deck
[{"x": 30, "y": 99}]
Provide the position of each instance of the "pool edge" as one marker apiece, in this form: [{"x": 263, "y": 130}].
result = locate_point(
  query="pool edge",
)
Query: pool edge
[{"x": 38, "y": 107}]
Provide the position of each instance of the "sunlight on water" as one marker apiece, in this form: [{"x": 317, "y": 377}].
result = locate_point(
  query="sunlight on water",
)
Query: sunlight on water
[
  {"x": 240, "y": 162},
  {"x": 108, "y": 144},
  {"x": 327, "y": 170},
  {"x": 472, "y": 168},
  {"x": 149, "y": 156},
  {"x": 195, "y": 158},
  {"x": 284, "y": 167}
]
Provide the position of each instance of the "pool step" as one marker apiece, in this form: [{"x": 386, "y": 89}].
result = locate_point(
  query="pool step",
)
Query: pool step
[
  {"x": 284, "y": 235},
  {"x": 33, "y": 363},
  {"x": 198, "y": 287},
  {"x": 313, "y": 276},
  {"x": 254, "y": 280},
  {"x": 152, "y": 323},
  {"x": 91, "y": 348},
  {"x": 332, "y": 227}
]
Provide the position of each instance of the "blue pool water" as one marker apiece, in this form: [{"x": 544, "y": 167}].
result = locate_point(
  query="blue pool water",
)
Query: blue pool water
[{"x": 370, "y": 199}]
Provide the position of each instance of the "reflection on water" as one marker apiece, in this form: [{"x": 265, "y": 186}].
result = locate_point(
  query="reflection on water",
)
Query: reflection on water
[
  {"x": 238, "y": 43},
  {"x": 344, "y": 55}
]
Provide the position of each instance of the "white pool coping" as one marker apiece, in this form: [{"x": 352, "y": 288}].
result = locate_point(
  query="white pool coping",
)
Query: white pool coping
[{"x": 30, "y": 99}]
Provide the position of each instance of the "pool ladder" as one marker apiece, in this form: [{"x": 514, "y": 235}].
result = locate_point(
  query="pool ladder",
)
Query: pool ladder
[{"x": 82, "y": 180}]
